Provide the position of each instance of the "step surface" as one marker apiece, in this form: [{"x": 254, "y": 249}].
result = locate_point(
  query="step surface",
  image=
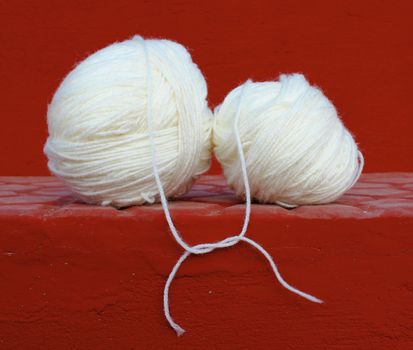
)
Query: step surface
[{"x": 88, "y": 277}]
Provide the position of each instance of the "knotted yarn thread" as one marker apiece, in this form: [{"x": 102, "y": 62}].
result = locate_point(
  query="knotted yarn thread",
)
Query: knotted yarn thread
[
  {"x": 297, "y": 150},
  {"x": 205, "y": 248},
  {"x": 98, "y": 133}
]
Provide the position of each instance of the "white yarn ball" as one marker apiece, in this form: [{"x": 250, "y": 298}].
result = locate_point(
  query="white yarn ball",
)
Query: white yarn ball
[
  {"x": 98, "y": 132},
  {"x": 296, "y": 148}
]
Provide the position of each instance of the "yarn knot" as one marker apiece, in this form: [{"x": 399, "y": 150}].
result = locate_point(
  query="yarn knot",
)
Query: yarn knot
[{"x": 205, "y": 248}]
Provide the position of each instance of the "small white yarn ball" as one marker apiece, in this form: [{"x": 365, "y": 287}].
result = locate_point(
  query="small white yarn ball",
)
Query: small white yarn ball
[
  {"x": 297, "y": 150},
  {"x": 98, "y": 140}
]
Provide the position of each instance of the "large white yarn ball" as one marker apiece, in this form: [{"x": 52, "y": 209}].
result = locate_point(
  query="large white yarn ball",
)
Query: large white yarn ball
[
  {"x": 98, "y": 132},
  {"x": 296, "y": 148}
]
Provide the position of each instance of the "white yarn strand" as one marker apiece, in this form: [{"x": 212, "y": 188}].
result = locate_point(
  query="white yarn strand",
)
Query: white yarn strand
[
  {"x": 151, "y": 132},
  {"x": 177, "y": 328},
  {"x": 243, "y": 163},
  {"x": 278, "y": 275},
  {"x": 205, "y": 247}
]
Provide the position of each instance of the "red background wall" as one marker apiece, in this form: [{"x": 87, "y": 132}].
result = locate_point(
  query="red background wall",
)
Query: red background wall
[{"x": 359, "y": 52}]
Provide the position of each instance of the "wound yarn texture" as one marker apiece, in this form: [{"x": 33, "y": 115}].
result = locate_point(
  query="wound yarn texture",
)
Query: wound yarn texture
[
  {"x": 297, "y": 150},
  {"x": 98, "y": 131}
]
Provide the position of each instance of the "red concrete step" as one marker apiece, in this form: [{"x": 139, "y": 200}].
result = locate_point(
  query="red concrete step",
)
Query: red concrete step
[{"x": 74, "y": 276}]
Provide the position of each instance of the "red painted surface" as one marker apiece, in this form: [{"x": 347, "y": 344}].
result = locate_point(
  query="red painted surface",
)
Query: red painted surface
[
  {"x": 359, "y": 52},
  {"x": 85, "y": 277}
]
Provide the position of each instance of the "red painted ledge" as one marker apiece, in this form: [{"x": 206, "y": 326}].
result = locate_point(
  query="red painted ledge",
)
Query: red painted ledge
[{"x": 88, "y": 277}]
